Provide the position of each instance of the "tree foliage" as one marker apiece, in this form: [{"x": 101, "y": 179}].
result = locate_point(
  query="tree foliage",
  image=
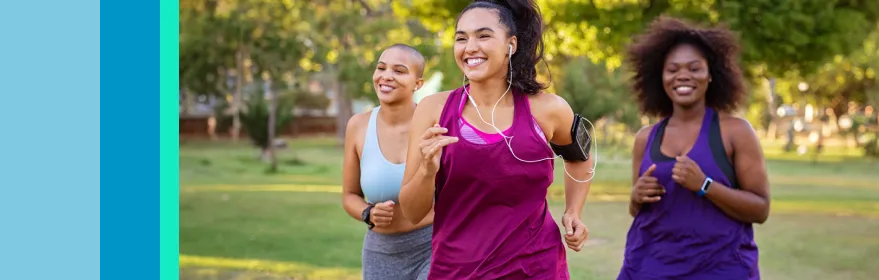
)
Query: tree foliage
[
  {"x": 206, "y": 47},
  {"x": 845, "y": 79},
  {"x": 777, "y": 36},
  {"x": 594, "y": 92},
  {"x": 255, "y": 117},
  {"x": 226, "y": 44}
]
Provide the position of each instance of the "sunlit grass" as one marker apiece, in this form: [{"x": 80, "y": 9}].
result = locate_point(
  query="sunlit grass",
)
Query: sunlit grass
[
  {"x": 265, "y": 188},
  {"x": 213, "y": 266},
  {"x": 868, "y": 209}
]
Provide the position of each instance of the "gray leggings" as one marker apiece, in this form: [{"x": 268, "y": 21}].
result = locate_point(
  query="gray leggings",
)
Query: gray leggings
[{"x": 402, "y": 256}]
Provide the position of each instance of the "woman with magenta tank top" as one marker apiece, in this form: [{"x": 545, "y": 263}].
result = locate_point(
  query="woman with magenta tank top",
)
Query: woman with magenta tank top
[
  {"x": 699, "y": 174},
  {"x": 375, "y": 153},
  {"x": 480, "y": 156}
]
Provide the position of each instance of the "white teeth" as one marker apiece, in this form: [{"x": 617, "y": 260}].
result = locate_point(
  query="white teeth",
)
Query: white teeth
[
  {"x": 385, "y": 88},
  {"x": 475, "y": 61},
  {"x": 684, "y": 89}
]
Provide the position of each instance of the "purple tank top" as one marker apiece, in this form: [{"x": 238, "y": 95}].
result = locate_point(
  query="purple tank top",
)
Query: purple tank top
[
  {"x": 491, "y": 217},
  {"x": 684, "y": 236}
]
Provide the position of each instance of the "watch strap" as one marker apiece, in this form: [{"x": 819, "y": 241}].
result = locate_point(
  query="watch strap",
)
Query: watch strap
[
  {"x": 705, "y": 185},
  {"x": 366, "y": 215}
]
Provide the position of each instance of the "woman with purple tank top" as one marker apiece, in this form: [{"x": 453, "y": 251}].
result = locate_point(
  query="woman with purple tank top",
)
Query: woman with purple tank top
[
  {"x": 699, "y": 174},
  {"x": 480, "y": 156}
]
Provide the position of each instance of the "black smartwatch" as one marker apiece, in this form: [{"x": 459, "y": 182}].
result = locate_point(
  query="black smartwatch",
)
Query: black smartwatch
[{"x": 365, "y": 216}]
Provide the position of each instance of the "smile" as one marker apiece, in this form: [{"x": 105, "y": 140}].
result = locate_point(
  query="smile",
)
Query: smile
[
  {"x": 385, "y": 88},
  {"x": 474, "y": 61},
  {"x": 684, "y": 89}
]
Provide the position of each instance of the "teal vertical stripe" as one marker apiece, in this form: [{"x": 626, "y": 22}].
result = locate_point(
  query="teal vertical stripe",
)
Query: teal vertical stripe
[{"x": 169, "y": 150}]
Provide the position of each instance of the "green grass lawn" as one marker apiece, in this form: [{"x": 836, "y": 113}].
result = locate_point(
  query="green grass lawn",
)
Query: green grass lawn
[{"x": 237, "y": 222}]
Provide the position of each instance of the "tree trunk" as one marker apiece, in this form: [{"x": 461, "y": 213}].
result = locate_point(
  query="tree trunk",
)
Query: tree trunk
[
  {"x": 771, "y": 106},
  {"x": 272, "y": 108},
  {"x": 344, "y": 111},
  {"x": 236, "y": 99},
  {"x": 606, "y": 133},
  {"x": 188, "y": 102}
]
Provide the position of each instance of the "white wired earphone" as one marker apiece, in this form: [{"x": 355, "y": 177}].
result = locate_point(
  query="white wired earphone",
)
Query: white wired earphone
[{"x": 508, "y": 139}]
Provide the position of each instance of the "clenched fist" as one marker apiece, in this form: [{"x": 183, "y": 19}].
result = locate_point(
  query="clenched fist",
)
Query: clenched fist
[
  {"x": 647, "y": 188},
  {"x": 688, "y": 174},
  {"x": 382, "y": 214}
]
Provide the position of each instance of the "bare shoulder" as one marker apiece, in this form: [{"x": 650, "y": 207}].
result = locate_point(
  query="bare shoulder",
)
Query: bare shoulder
[
  {"x": 358, "y": 121},
  {"x": 735, "y": 125},
  {"x": 432, "y": 105},
  {"x": 738, "y": 132},
  {"x": 357, "y": 125},
  {"x": 641, "y": 138},
  {"x": 553, "y": 114},
  {"x": 643, "y": 133},
  {"x": 549, "y": 104},
  {"x": 436, "y": 99}
]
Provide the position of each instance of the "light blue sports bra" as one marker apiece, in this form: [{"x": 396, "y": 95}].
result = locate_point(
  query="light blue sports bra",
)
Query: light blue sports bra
[{"x": 380, "y": 180}]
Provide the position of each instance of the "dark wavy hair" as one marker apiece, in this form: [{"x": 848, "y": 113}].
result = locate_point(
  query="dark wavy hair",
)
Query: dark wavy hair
[
  {"x": 719, "y": 46},
  {"x": 522, "y": 18}
]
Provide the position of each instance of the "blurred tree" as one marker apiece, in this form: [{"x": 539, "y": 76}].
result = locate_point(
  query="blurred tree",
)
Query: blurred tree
[
  {"x": 225, "y": 39},
  {"x": 845, "y": 79},
  {"x": 596, "y": 93},
  {"x": 211, "y": 46},
  {"x": 278, "y": 45},
  {"x": 256, "y": 119},
  {"x": 203, "y": 56},
  {"x": 592, "y": 90},
  {"x": 252, "y": 37}
]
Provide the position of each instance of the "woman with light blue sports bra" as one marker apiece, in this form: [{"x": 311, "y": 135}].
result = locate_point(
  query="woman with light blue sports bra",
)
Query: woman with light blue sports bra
[{"x": 375, "y": 153}]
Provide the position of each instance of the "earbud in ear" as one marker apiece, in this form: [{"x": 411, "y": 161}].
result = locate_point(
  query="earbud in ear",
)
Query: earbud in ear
[{"x": 511, "y": 49}]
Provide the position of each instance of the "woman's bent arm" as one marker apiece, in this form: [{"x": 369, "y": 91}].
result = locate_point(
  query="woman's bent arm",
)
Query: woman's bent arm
[
  {"x": 575, "y": 192},
  {"x": 352, "y": 196},
  {"x": 417, "y": 190},
  {"x": 638, "y": 149},
  {"x": 749, "y": 203}
]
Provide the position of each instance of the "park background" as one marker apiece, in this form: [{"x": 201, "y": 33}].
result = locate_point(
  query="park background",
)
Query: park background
[{"x": 266, "y": 87}]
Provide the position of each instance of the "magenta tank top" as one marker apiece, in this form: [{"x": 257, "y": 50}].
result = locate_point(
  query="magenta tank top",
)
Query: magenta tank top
[{"x": 491, "y": 217}]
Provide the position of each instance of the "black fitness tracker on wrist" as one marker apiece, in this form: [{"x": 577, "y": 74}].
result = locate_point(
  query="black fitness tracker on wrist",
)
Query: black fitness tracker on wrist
[{"x": 366, "y": 215}]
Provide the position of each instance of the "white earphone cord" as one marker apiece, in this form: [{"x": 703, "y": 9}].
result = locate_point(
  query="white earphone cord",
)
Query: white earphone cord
[{"x": 509, "y": 139}]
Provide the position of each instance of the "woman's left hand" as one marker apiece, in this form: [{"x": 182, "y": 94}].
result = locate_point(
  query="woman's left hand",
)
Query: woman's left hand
[
  {"x": 687, "y": 173},
  {"x": 575, "y": 232}
]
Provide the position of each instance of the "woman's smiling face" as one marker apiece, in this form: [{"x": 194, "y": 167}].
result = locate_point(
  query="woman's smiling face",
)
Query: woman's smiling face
[{"x": 482, "y": 45}]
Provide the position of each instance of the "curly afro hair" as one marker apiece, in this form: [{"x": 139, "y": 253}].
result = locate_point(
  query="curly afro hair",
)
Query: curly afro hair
[{"x": 720, "y": 48}]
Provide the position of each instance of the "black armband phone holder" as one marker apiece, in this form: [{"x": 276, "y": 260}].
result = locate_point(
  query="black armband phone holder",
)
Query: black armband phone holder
[{"x": 579, "y": 148}]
